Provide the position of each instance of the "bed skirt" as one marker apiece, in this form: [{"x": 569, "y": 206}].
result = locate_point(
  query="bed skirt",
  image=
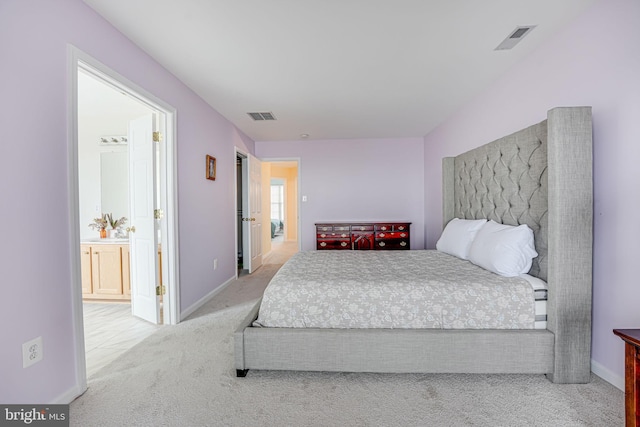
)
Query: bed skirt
[{"x": 392, "y": 350}]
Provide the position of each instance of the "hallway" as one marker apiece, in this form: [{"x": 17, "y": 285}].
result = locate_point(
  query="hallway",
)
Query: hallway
[{"x": 281, "y": 251}]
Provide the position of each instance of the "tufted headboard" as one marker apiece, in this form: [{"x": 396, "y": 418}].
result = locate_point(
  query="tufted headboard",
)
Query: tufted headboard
[
  {"x": 506, "y": 181},
  {"x": 540, "y": 176}
]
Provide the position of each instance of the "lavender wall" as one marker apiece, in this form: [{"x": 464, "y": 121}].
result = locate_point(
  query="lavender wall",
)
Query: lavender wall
[
  {"x": 36, "y": 278},
  {"x": 593, "y": 62},
  {"x": 372, "y": 179}
]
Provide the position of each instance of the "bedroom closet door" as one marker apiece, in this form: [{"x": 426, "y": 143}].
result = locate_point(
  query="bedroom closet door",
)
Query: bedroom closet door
[{"x": 252, "y": 216}]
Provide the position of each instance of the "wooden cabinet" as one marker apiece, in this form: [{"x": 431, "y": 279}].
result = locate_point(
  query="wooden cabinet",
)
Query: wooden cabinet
[
  {"x": 631, "y": 337},
  {"x": 102, "y": 271},
  {"x": 363, "y": 235},
  {"x": 106, "y": 271},
  {"x": 126, "y": 271},
  {"x": 85, "y": 266},
  {"x": 392, "y": 236},
  {"x": 333, "y": 236}
]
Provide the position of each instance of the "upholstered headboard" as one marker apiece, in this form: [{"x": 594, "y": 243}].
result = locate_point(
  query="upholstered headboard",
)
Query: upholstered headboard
[
  {"x": 540, "y": 176},
  {"x": 506, "y": 181}
]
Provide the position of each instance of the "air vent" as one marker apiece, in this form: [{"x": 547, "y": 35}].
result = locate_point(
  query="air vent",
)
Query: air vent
[
  {"x": 515, "y": 37},
  {"x": 262, "y": 116}
]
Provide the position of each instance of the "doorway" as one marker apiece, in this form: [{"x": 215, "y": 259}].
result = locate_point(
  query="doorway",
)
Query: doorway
[
  {"x": 280, "y": 187},
  {"x": 239, "y": 216},
  {"x": 277, "y": 237},
  {"x": 249, "y": 208},
  {"x": 155, "y": 122},
  {"x": 279, "y": 206},
  {"x": 104, "y": 117}
]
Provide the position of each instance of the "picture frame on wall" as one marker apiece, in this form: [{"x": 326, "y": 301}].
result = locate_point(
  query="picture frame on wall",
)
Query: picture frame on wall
[{"x": 211, "y": 167}]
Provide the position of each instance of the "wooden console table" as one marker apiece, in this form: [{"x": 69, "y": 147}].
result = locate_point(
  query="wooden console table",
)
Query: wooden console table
[{"x": 631, "y": 338}]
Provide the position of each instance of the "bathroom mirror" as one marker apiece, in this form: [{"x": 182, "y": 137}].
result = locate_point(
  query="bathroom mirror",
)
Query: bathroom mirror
[{"x": 114, "y": 183}]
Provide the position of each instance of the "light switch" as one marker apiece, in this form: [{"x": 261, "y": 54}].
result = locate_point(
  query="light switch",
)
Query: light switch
[{"x": 304, "y": 198}]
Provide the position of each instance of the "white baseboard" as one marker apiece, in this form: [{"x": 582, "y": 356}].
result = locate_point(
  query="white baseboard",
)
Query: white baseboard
[
  {"x": 202, "y": 301},
  {"x": 69, "y": 396},
  {"x": 607, "y": 375}
]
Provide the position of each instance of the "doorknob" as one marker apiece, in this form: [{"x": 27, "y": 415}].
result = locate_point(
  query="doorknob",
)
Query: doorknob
[{"x": 131, "y": 229}]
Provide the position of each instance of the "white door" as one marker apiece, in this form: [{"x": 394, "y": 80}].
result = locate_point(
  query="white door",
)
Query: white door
[
  {"x": 252, "y": 215},
  {"x": 143, "y": 237}
]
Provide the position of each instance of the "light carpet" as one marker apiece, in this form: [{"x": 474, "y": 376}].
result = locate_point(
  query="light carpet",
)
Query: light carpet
[{"x": 183, "y": 375}]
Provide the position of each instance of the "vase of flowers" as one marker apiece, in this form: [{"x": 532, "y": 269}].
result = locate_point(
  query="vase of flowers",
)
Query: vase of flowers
[
  {"x": 116, "y": 225},
  {"x": 100, "y": 224}
]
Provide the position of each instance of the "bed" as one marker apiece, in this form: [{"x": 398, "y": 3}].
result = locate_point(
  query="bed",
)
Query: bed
[{"x": 540, "y": 176}]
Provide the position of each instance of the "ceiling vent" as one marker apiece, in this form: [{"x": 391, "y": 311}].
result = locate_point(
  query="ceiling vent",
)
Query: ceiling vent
[
  {"x": 515, "y": 37},
  {"x": 262, "y": 116}
]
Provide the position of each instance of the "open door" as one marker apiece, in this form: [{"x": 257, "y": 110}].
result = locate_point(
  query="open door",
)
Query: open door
[
  {"x": 143, "y": 236},
  {"x": 252, "y": 213}
]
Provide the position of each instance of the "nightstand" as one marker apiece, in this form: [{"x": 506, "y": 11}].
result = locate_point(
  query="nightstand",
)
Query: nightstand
[{"x": 631, "y": 337}]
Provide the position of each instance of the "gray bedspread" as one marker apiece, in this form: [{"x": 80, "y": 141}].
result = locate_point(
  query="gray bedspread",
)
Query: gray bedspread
[{"x": 393, "y": 289}]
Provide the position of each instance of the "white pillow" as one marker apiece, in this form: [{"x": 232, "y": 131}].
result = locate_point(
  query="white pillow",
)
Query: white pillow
[
  {"x": 506, "y": 250},
  {"x": 457, "y": 236}
]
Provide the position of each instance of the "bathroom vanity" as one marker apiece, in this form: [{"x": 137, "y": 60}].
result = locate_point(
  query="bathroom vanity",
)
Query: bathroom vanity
[{"x": 105, "y": 267}]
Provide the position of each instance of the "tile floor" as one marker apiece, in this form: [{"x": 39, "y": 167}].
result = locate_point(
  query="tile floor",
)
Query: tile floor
[{"x": 109, "y": 330}]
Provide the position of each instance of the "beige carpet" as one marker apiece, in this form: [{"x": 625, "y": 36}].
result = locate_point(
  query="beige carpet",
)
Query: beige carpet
[{"x": 184, "y": 376}]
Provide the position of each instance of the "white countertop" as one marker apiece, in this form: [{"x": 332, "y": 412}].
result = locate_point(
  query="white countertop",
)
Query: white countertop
[{"x": 106, "y": 241}]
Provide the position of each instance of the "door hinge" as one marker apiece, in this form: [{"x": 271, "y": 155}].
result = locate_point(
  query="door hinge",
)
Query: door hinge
[
  {"x": 158, "y": 213},
  {"x": 161, "y": 290},
  {"x": 157, "y": 137}
]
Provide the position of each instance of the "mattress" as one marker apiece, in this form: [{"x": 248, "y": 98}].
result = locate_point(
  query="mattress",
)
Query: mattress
[{"x": 398, "y": 289}]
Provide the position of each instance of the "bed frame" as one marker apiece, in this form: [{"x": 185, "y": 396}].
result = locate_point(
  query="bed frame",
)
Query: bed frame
[{"x": 540, "y": 176}]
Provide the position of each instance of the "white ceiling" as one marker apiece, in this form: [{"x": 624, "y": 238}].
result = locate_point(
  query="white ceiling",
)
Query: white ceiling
[
  {"x": 98, "y": 99},
  {"x": 336, "y": 68}
]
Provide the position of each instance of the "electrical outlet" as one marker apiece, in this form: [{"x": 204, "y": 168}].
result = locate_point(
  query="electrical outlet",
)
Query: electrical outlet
[
  {"x": 215, "y": 263},
  {"x": 31, "y": 352}
]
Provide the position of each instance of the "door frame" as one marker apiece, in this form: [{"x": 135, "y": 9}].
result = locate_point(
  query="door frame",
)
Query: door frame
[
  {"x": 246, "y": 184},
  {"x": 298, "y": 198},
  {"x": 244, "y": 155},
  {"x": 238, "y": 153},
  {"x": 168, "y": 182}
]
